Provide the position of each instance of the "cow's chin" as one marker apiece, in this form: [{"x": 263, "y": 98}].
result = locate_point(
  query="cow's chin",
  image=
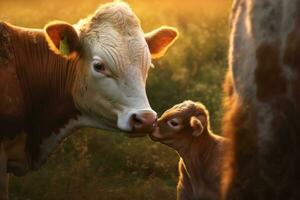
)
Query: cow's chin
[
  {"x": 112, "y": 128},
  {"x": 99, "y": 122}
]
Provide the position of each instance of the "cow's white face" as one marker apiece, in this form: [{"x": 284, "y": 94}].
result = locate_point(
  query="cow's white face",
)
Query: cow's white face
[
  {"x": 115, "y": 58},
  {"x": 111, "y": 87}
]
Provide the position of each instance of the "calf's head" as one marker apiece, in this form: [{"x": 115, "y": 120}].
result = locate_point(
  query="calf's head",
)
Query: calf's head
[
  {"x": 181, "y": 124},
  {"x": 113, "y": 56}
]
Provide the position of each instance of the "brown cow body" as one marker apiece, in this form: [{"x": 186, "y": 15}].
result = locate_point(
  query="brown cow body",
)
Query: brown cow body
[
  {"x": 262, "y": 104},
  {"x": 37, "y": 105},
  {"x": 63, "y": 77},
  {"x": 30, "y": 110},
  {"x": 185, "y": 128}
]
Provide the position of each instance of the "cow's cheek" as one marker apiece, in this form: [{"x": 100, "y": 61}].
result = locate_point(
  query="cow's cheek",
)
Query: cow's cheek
[{"x": 97, "y": 97}]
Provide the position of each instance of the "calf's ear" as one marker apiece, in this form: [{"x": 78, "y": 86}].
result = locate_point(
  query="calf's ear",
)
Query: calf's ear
[
  {"x": 62, "y": 38},
  {"x": 159, "y": 40},
  {"x": 198, "y": 125}
]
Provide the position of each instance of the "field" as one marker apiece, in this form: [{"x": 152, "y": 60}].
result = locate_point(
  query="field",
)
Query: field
[{"x": 93, "y": 164}]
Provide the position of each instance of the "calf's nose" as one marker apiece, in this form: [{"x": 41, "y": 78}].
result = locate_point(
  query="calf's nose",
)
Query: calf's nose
[{"x": 143, "y": 121}]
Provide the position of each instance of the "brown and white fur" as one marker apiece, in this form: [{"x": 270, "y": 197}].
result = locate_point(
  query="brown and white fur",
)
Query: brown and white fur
[
  {"x": 98, "y": 81},
  {"x": 186, "y": 128},
  {"x": 262, "y": 109}
]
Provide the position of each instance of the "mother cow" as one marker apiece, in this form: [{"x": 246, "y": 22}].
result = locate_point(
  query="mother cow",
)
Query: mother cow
[
  {"x": 93, "y": 74},
  {"x": 263, "y": 101}
]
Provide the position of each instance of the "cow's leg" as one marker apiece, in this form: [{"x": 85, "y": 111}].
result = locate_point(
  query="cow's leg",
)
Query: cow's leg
[
  {"x": 4, "y": 177},
  {"x": 4, "y": 186}
]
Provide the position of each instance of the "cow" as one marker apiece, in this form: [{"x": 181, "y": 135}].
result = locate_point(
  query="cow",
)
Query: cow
[
  {"x": 64, "y": 77},
  {"x": 186, "y": 128},
  {"x": 262, "y": 110}
]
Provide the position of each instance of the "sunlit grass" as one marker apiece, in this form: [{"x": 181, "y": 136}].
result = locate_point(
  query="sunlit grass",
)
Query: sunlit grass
[{"x": 100, "y": 165}]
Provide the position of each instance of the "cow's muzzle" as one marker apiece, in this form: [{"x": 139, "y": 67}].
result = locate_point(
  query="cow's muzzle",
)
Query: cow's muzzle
[
  {"x": 140, "y": 122},
  {"x": 143, "y": 122}
]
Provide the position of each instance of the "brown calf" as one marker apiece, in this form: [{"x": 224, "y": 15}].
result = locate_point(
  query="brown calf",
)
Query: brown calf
[{"x": 186, "y": 128}]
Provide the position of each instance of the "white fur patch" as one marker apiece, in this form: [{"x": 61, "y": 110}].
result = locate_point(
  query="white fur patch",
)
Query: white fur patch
[
  {"x": 289, "y": 9},
  {"x": 242, "y": 57}
]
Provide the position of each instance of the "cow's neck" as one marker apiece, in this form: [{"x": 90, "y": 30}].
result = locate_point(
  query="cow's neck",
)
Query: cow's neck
[
  {"x": 47, "y": 81},
  {"x": 197, "y": 158}
]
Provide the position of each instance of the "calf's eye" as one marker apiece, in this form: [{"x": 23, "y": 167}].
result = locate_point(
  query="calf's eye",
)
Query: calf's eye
[{"x": 173, "y": 123}]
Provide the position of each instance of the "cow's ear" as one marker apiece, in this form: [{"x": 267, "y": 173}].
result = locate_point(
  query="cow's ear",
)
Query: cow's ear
[
  {"x": 62, "y": 38},
  {"x": 159, "y": 40},
  {"x": 198, "y": 125}
]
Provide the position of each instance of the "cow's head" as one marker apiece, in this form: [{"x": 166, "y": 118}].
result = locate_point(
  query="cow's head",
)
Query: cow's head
[{"x": 114, "y": 59}]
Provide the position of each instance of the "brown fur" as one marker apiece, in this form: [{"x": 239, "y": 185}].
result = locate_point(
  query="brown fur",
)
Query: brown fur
[
  {"x": 242, "y": 129},
  {"x": 37, "y": 91},
  {"x": 264, "y": 160},
  {"x": 35, "y": 98},
  {"x": 269, "y": 78},
  {"x": 158, "y": 47},
  {"x": 56, "y": 31},
  {"x": 4, "y": 177},
  {"x": 200, "y": 156},
  {"x": 39, "y": 86}
]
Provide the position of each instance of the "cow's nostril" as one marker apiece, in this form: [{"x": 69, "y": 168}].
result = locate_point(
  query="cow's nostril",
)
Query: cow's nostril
[
  {"x": 137, "y": 121},
  {"x": 143, "y": 122}
]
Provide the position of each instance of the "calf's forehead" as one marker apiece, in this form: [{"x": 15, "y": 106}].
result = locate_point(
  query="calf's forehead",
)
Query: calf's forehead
[{"x": 183, "y": 110}]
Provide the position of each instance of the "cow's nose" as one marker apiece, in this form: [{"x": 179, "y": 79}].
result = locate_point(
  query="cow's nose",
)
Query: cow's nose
[{"x": 143, "y": 121}]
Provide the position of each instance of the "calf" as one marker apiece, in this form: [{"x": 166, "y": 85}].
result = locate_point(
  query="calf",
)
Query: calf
[{"x": 186, "y": 128}]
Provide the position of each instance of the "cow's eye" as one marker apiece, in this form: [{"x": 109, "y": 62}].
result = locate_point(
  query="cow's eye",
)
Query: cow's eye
[
  {"x": 173, "y": 123},
  {"x": 99, "y": 67}
]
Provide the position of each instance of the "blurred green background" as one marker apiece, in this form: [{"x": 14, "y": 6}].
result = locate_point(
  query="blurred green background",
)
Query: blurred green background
[{"x": 94, "y": 164}]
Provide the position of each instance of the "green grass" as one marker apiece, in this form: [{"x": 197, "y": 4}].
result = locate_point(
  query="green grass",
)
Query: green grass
[{"x": 94, "y": 164}]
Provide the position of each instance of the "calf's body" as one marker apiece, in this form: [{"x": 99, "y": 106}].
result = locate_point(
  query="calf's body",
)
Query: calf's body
[
  {"x": 200, "y": 169},
  {"x": 185, "y": 128}
]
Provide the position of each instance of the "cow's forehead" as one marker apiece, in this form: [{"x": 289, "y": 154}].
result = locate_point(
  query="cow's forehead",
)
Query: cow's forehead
[
  {"x": 114, "y": 33},
  {"x": 117, "y": 15},
  {"x": 118, "y": 51}
]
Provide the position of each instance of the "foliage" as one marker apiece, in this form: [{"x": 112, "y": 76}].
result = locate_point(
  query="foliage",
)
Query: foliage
[{"x": 94, "y": 164}]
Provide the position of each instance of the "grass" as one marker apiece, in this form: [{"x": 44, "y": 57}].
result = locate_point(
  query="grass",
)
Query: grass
[{"x": 93, "y": 164}]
